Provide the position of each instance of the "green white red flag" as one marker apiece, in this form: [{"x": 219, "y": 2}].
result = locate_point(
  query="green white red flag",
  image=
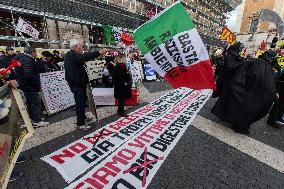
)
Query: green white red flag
[
  {"x": 172, "y": 45},
  {"x": 115, "y": 35}
]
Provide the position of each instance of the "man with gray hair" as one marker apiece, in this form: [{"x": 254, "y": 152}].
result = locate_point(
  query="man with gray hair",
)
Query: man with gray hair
[
  {"x": 77, "y": 78},
  {"x": 29, "y": 82}
]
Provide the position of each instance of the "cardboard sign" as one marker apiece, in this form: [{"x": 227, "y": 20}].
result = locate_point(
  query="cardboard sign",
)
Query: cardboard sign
[
  {"x": 56, "y": 92},
  {"x": 12, "y": 135}
]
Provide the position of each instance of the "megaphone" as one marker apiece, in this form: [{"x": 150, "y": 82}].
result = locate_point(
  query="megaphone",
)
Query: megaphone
[{"x": 14, "y": 63}]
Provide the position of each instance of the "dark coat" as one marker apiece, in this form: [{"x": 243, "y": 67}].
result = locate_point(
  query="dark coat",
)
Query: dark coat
[
  {"x": 27, "y": 74},
  {"x": 5, "y": 62},
  {"x": 279, "y": 80},
  {"x": 49, "y": 66},
  {"x": 122, "y": 82},
  {"x": 75, "y": 73},
  {"x": 247, "y": 95}
]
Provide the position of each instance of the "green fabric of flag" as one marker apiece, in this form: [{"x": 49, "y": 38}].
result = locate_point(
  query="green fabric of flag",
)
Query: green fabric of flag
[{"x": 108, "y": 34}]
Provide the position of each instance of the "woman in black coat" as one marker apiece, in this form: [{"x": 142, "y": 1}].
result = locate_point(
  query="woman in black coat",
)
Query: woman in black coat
[{"x": 122, "y": 84}]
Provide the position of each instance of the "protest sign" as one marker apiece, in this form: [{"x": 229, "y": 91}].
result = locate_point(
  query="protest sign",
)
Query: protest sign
[
  {"x": 150, "y": 73},
  {"x": 95, "y": 69},
  {"x": 12, "y": 135},
  {"x": 227, "y": 35},
  {"x": 56, "y": 92},
  {"x": 171, "y": 44},
  {"x": 135, "y": 163},
  {"x": 74, "y": 159},
  {"x": 136, "y": 69}
]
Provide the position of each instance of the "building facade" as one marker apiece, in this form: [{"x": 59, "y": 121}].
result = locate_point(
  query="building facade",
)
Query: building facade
[
  {"x": 251, "y": 11},
  {"x": 62, "y": 20}
]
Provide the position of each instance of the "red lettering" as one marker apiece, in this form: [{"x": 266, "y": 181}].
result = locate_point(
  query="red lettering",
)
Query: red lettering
[
  {"x": 78, "y": 148},
  {"x": 102, "y": 174},
  {"x": 128, "y": 152},
  {"x": 104, "y": 134},
  {"x": 170, "y": 116},
  {"x": 59, "y": 158},
  {"x": 115, "y": 161},
  {"x": 94, "y": 183}
]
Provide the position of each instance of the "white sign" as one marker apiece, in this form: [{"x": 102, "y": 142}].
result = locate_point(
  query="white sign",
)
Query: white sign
[
  {"x": 76, "y": 158},
  {"x": 136, "y": 70},
  {"x": 25, "y": 27},
  {"x": 56, "y": 92},
  {"x": 95, "y": 69}
]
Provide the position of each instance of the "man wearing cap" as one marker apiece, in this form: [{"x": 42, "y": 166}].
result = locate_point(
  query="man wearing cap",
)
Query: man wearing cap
[{"x": 249, "y": 93}]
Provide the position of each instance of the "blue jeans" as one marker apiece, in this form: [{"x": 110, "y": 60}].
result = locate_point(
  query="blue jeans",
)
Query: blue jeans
[
  {"x": 80, "y": 100},
  {"x": 33, "y": 105}
]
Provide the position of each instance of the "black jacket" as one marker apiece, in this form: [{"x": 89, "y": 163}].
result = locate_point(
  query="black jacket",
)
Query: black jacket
[
  {"x": 122, "y": 82},
  {"x": 75, "y": 73},
  {"x": 27, "y": 74}
]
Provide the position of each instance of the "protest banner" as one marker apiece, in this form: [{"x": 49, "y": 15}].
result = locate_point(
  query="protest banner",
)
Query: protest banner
[
  {"x": 135, "y": 163},
  {"x": 74, "y": 159},
  {"x": 171, "y": 44},
  {"x": 12, "y": 135},
  {"x": 228, "y": 36},
  {"x": 27, "y": 28},
  {"x": 150, "y": 73},
  {"x": 56, "y": 92}
]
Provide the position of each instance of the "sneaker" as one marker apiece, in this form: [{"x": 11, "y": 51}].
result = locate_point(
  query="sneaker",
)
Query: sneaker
[
  {"x": 83, "y": 127},
  {"x": 21, "y": 159},
  {"x": 15, "y": 175},
  {"x": 40, "y": 124}
]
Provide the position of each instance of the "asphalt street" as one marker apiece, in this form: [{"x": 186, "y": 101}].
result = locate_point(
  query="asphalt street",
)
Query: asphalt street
[{"x": 201, "y": 158}]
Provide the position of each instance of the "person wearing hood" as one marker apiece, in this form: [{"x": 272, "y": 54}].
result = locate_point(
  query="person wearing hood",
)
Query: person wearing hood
[
  {"x": 224, "y": 69},
  {"x": 249, "y": 93},
  {"x": 28, "y": 79}
]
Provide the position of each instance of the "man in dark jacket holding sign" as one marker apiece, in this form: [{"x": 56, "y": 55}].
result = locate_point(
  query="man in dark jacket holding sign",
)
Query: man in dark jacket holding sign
[{"x": 77, "y": 78}]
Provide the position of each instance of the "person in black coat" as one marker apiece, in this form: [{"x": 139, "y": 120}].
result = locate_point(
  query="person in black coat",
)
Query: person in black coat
[
  {"x": 28, "y": 78},
  {"x": 277, "y": 110},
  {"x": 248, "y": 93},
  {"x": 77, "y": 78},
  {"x": 122, "y": 84}
]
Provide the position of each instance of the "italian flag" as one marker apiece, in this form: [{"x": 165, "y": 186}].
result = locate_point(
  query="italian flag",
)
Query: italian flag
[
  {"x": 172, "y": 45},
  {"x": 115, "y": 35}
]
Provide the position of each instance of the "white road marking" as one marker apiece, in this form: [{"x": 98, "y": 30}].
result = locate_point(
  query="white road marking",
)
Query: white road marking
[{"x": 258, "y": 150}]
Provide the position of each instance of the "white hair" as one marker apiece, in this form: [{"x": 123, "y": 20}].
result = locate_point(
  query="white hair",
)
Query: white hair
[{"x": 75, "y": 42}]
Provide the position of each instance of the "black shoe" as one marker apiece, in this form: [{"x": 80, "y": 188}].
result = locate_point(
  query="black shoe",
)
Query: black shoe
[
  {"x": 15, "y": 175},
  {"x": 21, "y": 159},
  {"x": 273, "y": 124}
]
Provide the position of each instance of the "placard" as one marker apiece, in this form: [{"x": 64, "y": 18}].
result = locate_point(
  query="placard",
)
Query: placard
[
  {"x": 56, "y": 92},
  {"x": 95, "y": 69},
  {"x": 150, "y": 73},
  {"x": 136, "y": 70}
]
